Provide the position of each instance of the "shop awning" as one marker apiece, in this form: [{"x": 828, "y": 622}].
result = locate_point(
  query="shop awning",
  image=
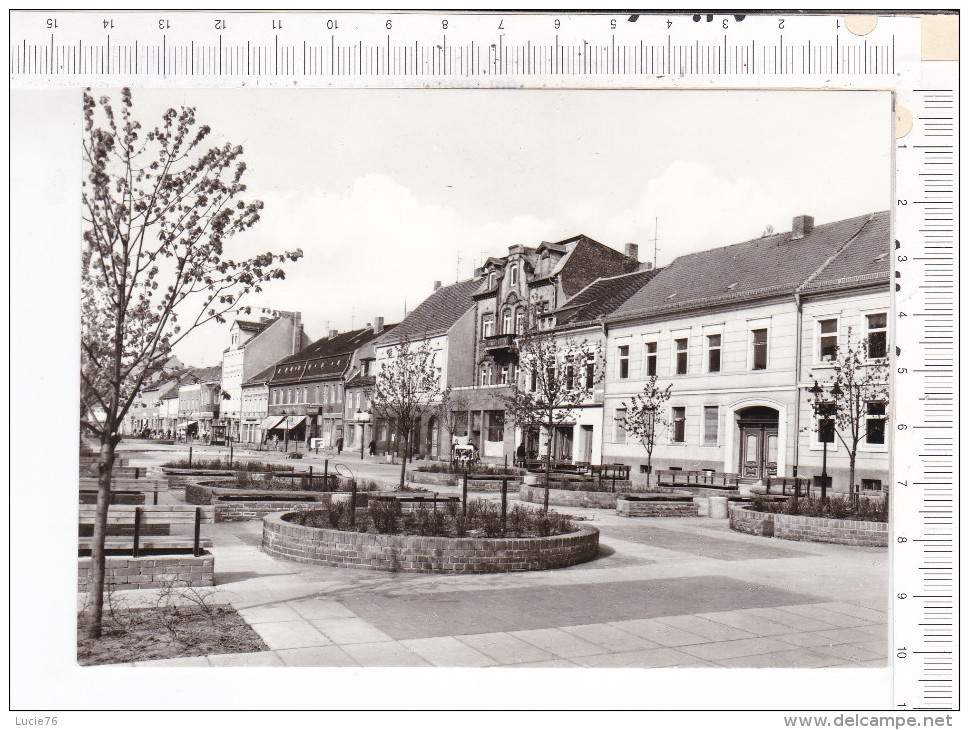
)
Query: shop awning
[
  {"x": 271, "y": 422},
  {"x": 294, "y": 421},
  {"x": 185, "y": 425}
]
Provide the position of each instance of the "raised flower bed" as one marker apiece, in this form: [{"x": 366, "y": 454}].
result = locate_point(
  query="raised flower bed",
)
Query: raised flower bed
[
  {"x": 669, "y": 503},
  {"x": 753, "y": 521},
  {"x": 567, "y": 497},
  {"x": 447, "y": 541}
]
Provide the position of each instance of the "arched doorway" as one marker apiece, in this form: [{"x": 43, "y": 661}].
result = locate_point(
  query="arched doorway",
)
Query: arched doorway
[{"x": 759, "y": 441}]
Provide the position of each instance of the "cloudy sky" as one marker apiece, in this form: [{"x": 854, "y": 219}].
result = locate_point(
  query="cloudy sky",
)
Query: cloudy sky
[{"x": 387, "y": 191}]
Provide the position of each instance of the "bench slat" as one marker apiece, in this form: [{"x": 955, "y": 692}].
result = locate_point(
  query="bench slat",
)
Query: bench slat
[{"x": 146, "y": 542}]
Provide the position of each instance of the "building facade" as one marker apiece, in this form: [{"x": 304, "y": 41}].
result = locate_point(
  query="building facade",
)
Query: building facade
[
  {"x": 741, "y": 333},
  {"x": 199, "y": 402}
]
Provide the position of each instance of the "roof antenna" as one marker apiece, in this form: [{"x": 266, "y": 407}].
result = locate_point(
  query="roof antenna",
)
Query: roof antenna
[
  {"x": 353, "y": 313},
  {"x": 655, "y": 243},
  {"x": 457, "y": 267}
]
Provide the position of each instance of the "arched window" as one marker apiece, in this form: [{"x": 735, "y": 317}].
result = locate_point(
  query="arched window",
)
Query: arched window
[
  {"x": 506, "y": 322},
  {"x": 513, "y": 274}
]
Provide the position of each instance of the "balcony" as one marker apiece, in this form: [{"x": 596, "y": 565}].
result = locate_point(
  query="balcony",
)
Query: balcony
[{"x": 499, "y": 343}]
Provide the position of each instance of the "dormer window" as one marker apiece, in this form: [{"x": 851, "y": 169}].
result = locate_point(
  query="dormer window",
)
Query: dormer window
[{"x": 492, "y": 280}]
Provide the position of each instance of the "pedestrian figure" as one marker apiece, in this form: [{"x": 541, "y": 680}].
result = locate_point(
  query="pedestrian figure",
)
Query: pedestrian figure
[
  {"x": 520, "y": 454},
  {"x": 373, "y": 447},
  {"x": 339, "y": 445}
]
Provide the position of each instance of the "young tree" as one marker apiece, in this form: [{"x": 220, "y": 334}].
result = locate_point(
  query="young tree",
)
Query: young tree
[
  {"x": 406, "y": 389},
  {"x": 856, "y": 401},
  {"x": 557, "y": 374},
  {"x": 158, "y": 209},
  {"x": 644, "y": 417}
]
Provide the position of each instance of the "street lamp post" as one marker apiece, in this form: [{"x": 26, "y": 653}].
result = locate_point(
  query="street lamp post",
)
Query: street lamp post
[
  {"x": 824, "y": 410},
  {"x": 362, "y": 417}
]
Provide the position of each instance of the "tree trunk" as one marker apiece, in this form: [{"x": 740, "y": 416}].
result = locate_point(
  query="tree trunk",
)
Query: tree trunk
[
  {"x": 403, "y": 460},
  {"x": 851, "y": 478},
  {"x": 92, "y": 615},
  {"x": 548, "y": 466}
]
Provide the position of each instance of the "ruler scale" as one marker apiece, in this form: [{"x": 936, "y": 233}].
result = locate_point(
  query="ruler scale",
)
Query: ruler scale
[
  {"x": 925, "y": 554},
  {"x": 479, "y": 50}
]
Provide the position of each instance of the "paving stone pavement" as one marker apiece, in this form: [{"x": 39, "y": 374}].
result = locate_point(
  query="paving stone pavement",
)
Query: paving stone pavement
[{"x": 684, "y": 592}]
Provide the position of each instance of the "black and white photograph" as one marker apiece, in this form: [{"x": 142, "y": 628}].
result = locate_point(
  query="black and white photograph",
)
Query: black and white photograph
[
  {"x": 384, "y": 391},
  {"x": 460, "y": 379}
]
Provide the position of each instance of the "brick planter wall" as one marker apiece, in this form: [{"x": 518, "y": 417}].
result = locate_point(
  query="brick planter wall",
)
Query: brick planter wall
[
  {"x": 150, "y": 571},
  {"x": 416, "y": 554},
  {"x": 567, "y": 497},
  {"x": 656, "y": 507},
  {"x": 815, "y": 529},
  {"x": 245, "y": 510}
]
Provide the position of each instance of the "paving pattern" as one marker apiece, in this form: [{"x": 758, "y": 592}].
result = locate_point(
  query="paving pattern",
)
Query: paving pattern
[{"x": 662, "y": 593}]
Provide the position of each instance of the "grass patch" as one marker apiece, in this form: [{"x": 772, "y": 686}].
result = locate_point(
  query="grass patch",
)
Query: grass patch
[
  {"x": 182, "y": 623},
  {"x": 476, "y": 470},
  {"x": 224, "y": 465}
]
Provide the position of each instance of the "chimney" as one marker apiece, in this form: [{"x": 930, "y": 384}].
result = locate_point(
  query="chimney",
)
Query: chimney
[
  {"x": 646, "y": 266},
  {"x": 378, "y": 325},
  {"x": 437, "y": 285},
  {"x": 333, "y": 333},
  {"x": 802, "y": 225},
  {"x": 632, "y": 251}
]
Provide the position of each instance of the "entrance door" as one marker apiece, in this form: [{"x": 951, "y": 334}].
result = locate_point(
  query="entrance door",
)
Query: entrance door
[
  {"x": 758, "y": 450},
  {"x": 563, "y": 446},
  {"x": 587, "y": 444}
]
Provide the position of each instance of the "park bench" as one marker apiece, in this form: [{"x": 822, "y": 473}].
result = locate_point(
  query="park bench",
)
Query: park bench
[
  {"x": 147, "y": 486},
  {"x": 157, "y": 528}
]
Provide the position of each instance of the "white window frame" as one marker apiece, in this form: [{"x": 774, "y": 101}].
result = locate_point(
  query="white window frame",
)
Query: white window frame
[
  {"x": 650, "y": 339},
  {"x": 672, "y": 426},
  {"x": 488, "y": 325},
  {"x": 620, "y": 358},
  {"x": 703, "y": 424},
  {"x": 750, "y": 348},
  {"x": 816, "y": 444},
  {"x": 513, "y": 275},
  {"x": 507, "y": 321},
  {"x": 707, "y": 334},
  {"x": 868, "y": 448},
  {"x": 864, "y": 320},
  {"x": 818, "y": 362},
  {"x": 674, "y": 370},
  {"x": 617, "y": 428}
]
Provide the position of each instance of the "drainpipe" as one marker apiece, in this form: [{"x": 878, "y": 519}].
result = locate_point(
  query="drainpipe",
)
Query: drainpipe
[{"x": 799, "y": 306}]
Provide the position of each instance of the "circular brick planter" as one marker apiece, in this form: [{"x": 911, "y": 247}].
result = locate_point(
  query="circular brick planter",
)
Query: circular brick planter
[
  {"x": 567, "y": 497},
  {"x": 814, "y": 529},
  {"x": 416, "y": 554}
]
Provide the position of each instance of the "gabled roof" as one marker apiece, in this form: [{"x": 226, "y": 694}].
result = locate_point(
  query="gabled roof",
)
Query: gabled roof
[
  {"x": 866, "y": 259},
  {"x": 601, "y": 297},
  {"x": 763, "y": 267},
  {"x": 203, "y": 375},
  {"x": 436, "y": 314}
]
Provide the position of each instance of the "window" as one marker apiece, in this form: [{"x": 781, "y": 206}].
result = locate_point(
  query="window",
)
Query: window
[
  {"x": 875, "y": 418},
  {"x": 758, "y": 339},
  {"x": 487, "y": 325},
  {"x": 485, "y": 373},
  {"x": 679, "y": 424},
  {"x": 318, "y": 399},
  {"x": 871, "y": 485},
  {"x": 366, "y": 368},
  {"x": 506, "y": 322},
  {"x": 877, "y": 335},
  {"x": 711, "y": 422},
  {"x": 519, "y": 320},
  {"x": 624, "y": 361},
  {"x": 651, "y": 356},
  {"x": 827, "y": 339},
  {"x": 504, "y": 374},
  {"x": 713, "y": 353},
  {"x": 492, "y": 280},
  {"x": 825, "y": 430},
  {"x": 496, "y": 425},
  {"x": 620, "y": 432},
  {"x": 533, "y": 384},
  {"x": 513, "y": 275},
  {"x": 569, "y": 376},
  {"x": 682, "y": 355},
  {"x": 590, "y": 372}
]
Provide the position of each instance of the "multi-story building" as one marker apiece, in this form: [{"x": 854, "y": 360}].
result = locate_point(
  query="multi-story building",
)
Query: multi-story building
[
  {"x": 306, "y": 390},
  {"x": 255, "y": 344},
  {"x": 445, "y": 322},
  {"x": 578, "y": 324},
  {"x": 535, "y": 280},
  {"x": 255, "y": 407},
  {"x": 199, "y": 402},
  {"x": 741, "y": 333}
]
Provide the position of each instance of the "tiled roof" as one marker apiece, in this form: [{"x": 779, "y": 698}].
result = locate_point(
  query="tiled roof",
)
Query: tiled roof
[
  {"x": 205, "y": 375},
  {"x": 325, "y": 358},
  {"x": 867, "y": 258},
  {"x": 602, "y": 297},
  {"x": 262, "y": 377},
  {"x": 361, "y": 381},
  {"x": 436, "y": 314},
  {"x": 769, "y": 266},
  {"x": 254, "y": 326}
]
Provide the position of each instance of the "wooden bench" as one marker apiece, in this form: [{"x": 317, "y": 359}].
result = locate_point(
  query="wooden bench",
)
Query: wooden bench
[
  {"x": 135, "y": 528},
  {"x": 148, "y": 486},
  {"x": 118, "y": 472}
]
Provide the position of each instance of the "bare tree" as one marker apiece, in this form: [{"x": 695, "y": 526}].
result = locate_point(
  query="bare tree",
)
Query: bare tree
[
  {"x": 452, "y": 412},
  {"x": 644, "y": 417},
  {"x": 407, "y": 388},
  {"x": 857, "y": 401},
  {"x": 158, "y": 210},
  {"x": 557, "y": 374}
]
